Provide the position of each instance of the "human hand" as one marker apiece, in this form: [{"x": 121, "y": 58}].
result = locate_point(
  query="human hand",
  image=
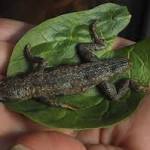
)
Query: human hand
[{"x": 131, "y": 134}]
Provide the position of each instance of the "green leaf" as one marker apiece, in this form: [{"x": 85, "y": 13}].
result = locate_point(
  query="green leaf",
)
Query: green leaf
[
  {"x": 55, "y": 40},
  {"x": 139, "y": 57}
]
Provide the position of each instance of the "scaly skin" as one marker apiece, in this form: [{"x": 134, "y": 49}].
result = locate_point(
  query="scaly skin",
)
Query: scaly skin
[
  {"x": 45, "y": 84},
  {"x": 63, "y": 80}
]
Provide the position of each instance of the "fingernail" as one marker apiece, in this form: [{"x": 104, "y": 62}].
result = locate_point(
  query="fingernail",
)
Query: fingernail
[{"x": 19, "y": 147}]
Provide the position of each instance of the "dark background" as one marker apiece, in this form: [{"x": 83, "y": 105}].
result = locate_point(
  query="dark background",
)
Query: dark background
[{"x": 35, "y": 11}]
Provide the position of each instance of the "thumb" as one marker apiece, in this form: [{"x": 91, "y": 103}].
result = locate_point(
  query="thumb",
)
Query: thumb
[{"x": 48, "y": 141}]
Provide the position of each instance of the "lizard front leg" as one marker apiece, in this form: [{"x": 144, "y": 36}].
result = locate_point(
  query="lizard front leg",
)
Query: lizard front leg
[
  {"x": 54, "y": 102},
  {"x": 123, "y": 87},
  {"x": 86, "y": 50},
  {"x": 34, "y": 61}
]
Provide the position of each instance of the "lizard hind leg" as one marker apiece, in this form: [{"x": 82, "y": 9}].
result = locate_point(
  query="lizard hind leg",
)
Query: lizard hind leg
[
  {"x": 34, "y": 61},
  {"x": 112, "y": 92},
  {"x": 53, "y": 102}
]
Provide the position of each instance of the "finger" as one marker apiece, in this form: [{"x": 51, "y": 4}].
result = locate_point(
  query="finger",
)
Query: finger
[
  {"x": 11, "y": 126},
  {"x": 14, "y": 125},
  {"x": 121, "y": 42},
  {"x": 138, "y": 135},
  {"x": 89, "y": 136},
  {"x": 12, "y": 30},
  {"x": 5, "y": 53},
  {"x": 32, "y": 126},
  {"x": 9, "y": 121},
  {"x": 106, "y": 135},
  {"x": 48, "y": 141}
]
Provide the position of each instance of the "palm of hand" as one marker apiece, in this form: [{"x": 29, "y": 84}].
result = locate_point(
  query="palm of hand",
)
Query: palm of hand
[{"x": 131, "y": 134}]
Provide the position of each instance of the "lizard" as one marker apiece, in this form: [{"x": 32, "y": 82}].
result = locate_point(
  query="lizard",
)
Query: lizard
[{"x": 45, "y": 84}]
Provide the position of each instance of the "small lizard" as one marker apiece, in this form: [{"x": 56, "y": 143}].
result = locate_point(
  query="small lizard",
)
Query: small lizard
[{"x": 45, "y": 84}]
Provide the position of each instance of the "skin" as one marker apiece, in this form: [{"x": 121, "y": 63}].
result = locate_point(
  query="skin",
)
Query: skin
[{"x": 130, "y": 134}]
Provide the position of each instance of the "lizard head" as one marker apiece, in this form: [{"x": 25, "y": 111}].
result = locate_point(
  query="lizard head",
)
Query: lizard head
[
  {"x": 11, "y": 90},
  {"x": 3, "y": 92},
  {"x": 119, "y": 65},
  {"x": 6, "y": 91}
]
